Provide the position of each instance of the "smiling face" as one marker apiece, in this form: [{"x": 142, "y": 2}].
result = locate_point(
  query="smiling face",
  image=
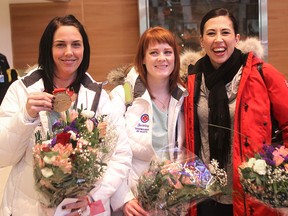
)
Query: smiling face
[
  {"x": 67, "y": 51},
  {"x": 219, "y": 40},
  {"x": 159, "y": 60}
]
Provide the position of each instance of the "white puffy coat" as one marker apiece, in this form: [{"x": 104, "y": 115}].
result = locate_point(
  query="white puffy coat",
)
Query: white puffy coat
[
  {"x": 17, "y": 140},
  {"x": 139, "y": 124}
]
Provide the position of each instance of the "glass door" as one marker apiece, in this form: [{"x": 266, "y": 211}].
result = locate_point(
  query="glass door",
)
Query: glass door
[{"x": 183, "y": 18}]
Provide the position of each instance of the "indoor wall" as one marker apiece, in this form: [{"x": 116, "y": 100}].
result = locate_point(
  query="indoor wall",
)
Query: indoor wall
[{"x": 112, "y": 27}]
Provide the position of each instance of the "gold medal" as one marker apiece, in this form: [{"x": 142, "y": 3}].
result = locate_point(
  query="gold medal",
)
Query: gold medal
[{"x": 62, "y": 100}]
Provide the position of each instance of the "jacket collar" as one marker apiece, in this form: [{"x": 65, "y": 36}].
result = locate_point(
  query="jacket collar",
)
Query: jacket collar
[{"x": 33, "y": 82}]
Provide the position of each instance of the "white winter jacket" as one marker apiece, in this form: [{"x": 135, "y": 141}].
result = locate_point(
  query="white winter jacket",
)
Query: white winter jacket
[
  {"x": 17, "y": 140},
  {"x": 139, "y": 124}
]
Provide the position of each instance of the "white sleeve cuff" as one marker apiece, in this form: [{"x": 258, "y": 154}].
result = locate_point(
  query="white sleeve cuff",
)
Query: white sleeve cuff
[{"x": 28, "y": 118}]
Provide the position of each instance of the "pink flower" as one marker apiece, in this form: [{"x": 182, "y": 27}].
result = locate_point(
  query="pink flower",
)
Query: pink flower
[
  {"x": 73, "y": 114},
  {"x": 279, "y": 155},
  {"x": 89, "y": 125},
  {"x": 102, "y": 126},
  {"x": 286, "y": 167},
  {"x": 64, "y": 164},
  {"x": 283, "y": 151},
  {"x": 278, "y": 159},
  {"x": 62, "y": 160},
  {"x": 81, "y": 142},
  {"x": 64, "y": 151}
]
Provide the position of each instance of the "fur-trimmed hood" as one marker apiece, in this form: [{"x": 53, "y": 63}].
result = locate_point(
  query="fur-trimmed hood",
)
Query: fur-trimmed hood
[{"x": 117, "y": 75}]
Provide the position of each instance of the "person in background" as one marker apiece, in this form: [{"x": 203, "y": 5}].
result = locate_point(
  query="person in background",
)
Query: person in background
[
  {"x": 4, "y": 82},
  {"x": 154, "y": 118},
  {"x": 227, "y": 111},
  {"x": 64, "y": 55}
]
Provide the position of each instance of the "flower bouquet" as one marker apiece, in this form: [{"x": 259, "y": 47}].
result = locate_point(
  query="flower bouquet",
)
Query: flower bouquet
[
  {"x": 69, "y": 160},
  {"x": 168, "y": 188},
  {"x": 265, "y": 176}
]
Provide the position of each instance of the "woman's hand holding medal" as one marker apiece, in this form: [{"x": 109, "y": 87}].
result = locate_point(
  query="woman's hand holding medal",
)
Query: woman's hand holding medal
[
  {"x": 59, "y": 101},
  {"x": 39, "y": 101}
]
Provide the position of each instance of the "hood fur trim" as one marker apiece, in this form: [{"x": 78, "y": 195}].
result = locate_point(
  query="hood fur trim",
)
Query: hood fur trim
[
  {"x": 117, "y": 75},
  {"x": 252, "y": 45}
]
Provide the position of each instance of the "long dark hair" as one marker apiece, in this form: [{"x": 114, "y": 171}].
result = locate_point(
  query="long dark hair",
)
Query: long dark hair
[
  {"x": 157, "y": 35},
  {"x": 216, "y": 13},
  {"x": 45, "y": 59}
]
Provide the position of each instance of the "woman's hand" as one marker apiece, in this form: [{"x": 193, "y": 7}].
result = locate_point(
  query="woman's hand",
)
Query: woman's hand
[
  {"x": 78, "y": 207},
  {"x": 39, "y": 101},
  {"x": 132, "y": 208}
]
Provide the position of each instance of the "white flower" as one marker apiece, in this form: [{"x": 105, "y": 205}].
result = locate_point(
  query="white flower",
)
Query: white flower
[
  {"x": 46, "y": 172},
  {"x": 46, "y": 142},
  {"x": 73, "y": 135},
  {"x": 260, "y": 167},
  {"x": 251, "y": 162},
  {"x": 87, "y": 113},
  {"x": 49, "y": 160}
]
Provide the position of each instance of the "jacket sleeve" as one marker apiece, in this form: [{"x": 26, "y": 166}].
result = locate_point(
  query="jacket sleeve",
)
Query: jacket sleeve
[
  {"x": 123, "y": 193},
  {"x": 15, "y": 132},
  {"x": 117, "y": 96},
  {"x": 120, "y": 162},
  {"x": 121, "y": 196},
  {"x": 277, "y": 87}
]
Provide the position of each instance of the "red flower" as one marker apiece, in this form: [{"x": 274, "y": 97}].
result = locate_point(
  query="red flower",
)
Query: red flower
[
  {"x": 63, "y": 138},
  {"x": 46, "y": 149}
]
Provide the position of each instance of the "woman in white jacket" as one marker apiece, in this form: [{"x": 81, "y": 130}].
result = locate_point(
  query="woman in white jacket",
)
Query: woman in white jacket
[
  {"x": 64, "y": 54},
  {"x": 154, "y": 119}
]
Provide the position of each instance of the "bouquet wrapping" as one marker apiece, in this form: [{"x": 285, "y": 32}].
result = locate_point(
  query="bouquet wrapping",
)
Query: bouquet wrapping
[
  {"x": 168, "y": 188},
  {"x": 69, "y": 160},
  {"x": 265, "y": 175}
]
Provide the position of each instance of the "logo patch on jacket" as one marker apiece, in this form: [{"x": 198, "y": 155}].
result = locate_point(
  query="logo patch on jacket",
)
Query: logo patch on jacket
[
  {"x": 144, "y": 118},
  {"x": 143, "y": 127}
]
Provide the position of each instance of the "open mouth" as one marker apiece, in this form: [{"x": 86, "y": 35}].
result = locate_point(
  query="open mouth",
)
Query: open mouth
[
  {"x": 219, "y": 50},
  {"x": 161, "y": 66}
]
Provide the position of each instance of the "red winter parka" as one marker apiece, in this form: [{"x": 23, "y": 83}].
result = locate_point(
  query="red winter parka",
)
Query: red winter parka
[{"x": 252, "y": 122}]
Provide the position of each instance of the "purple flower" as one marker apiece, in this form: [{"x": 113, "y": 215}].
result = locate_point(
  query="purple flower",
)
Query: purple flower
[
  {"x": 71, "y": 127},
  {"x": 53, "y": 142},
  {"x": 269, "y": 161},
  {"x": 56, "y": 125},
  {"x": 269, "y": 149}
]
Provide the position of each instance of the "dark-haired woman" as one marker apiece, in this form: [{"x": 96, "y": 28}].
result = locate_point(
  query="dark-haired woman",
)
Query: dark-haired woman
[
  {"x": 64, "y": 55},
  {"x": 228, "y": 110}
]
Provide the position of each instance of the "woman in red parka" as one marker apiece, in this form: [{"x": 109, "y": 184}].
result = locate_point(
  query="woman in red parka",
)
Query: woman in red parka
[{"x": 227, "y": 92}]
